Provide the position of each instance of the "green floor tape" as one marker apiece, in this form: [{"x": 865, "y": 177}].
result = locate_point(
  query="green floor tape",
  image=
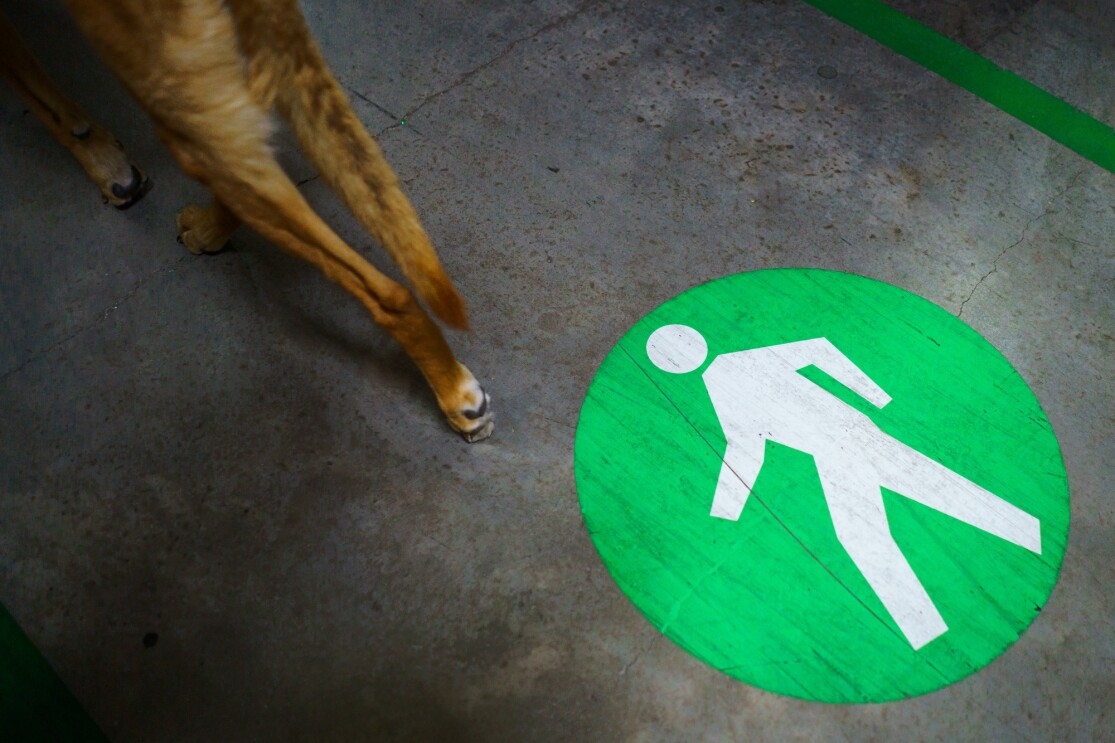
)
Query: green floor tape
[
  {"x": 956, "y": 63},
  {"x": 34, "y": 703}
]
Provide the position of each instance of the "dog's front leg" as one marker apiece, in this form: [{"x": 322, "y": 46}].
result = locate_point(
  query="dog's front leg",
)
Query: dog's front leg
[{"x": 120, "y": 181}]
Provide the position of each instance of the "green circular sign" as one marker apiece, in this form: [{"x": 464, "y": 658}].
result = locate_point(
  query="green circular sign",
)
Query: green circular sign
[{"x": 822, "y": 485}]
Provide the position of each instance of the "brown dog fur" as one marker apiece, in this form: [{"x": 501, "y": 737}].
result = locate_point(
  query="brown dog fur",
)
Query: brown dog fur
[{"x": 208, "y": 72}]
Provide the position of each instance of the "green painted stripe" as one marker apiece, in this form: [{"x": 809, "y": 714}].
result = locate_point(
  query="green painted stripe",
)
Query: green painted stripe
[
  {"x": 956, "y": 63},
  {"x": 34, "y": 703}
]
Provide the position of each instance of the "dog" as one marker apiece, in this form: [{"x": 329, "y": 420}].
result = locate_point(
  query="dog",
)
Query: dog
[{"x": 208, "y": 73}]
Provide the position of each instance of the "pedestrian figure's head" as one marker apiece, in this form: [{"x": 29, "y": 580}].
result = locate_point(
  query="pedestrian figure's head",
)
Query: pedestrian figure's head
[{"x": 677, "y": 349}]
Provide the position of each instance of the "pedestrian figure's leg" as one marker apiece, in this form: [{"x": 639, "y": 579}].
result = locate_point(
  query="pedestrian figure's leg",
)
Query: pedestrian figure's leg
[
  {"x": 856, "y": 506},
  {"x": 919, "y": 478},
  {"x": 737, "y": 478}
]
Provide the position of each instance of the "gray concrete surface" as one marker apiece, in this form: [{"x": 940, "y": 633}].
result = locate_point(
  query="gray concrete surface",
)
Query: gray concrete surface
[{"x": 224, "y": 451}]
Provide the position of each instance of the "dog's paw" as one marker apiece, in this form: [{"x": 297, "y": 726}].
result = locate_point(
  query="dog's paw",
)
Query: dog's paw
[
  {"x": 120, "y": 181},
  {"x": 471, "y": 414},
  {"x": 198, "y": 232}
]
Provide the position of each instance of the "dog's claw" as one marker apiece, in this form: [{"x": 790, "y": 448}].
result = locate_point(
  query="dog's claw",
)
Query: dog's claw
[
  {"x": 131, "y": 192},
  {"x": 478, "y": 434}
]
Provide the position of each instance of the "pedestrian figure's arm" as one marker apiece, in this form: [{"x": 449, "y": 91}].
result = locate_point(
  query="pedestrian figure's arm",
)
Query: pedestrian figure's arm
[{"x": 825, "y": 356}]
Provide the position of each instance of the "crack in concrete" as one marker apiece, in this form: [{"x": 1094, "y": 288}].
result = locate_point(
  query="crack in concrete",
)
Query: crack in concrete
[
  {"x": 1046, "y": 211},
  {"x": 97, "y": 319},
  {"x": 995, "y": 266},
  {"x": 401, "y": 121},
  {"x": 373, "y": 104}
]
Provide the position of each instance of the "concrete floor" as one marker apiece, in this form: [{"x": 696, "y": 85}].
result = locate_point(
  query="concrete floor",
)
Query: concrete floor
[{"x": 225, "y": 452}]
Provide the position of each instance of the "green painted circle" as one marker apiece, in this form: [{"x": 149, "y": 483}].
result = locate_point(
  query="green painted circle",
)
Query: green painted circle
[{"x": 774, "y": 598}]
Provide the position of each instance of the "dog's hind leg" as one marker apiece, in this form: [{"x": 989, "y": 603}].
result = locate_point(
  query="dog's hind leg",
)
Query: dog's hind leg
[
  {"x": 286, "y": 68},
  {"x": 120, "y": 181},
  {"x": 193, "y": 85}
]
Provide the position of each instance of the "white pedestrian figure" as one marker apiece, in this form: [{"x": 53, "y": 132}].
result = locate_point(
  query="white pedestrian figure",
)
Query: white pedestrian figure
[{"x": 758, "y": 395}]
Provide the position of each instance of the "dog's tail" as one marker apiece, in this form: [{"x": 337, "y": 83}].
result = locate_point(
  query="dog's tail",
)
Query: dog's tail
[{"x": 352, "y": 163}]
